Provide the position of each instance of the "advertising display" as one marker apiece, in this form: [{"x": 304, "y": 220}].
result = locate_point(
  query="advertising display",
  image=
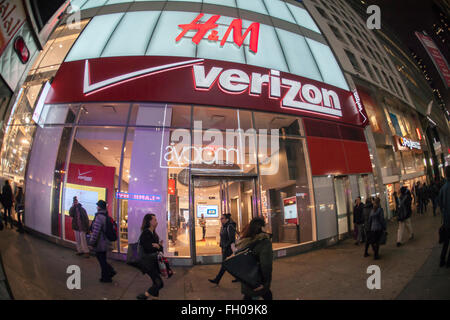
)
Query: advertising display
[
  {"x": 290, "y": 210},
  {"x": 12, "y": 17},
  {"x": 87, "y": 196},
  {"x": 208, "y": 211}
]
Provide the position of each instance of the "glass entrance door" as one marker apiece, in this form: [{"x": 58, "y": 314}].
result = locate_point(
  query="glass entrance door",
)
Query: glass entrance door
[
  {"x": 343, "y": 203},
  {"x": 212, "y": 197}
]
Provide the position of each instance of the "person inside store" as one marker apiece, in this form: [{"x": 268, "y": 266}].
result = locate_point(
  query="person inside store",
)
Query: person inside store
[
  {"x": 227, "y": 243},
  {"x": 151, "y": 245},
  {"x": 254, "y": 236},
  {"x": 376, "y": 227},
  {"x": 202, "y": 223},
  {"x": 7, "y": 202},
  {"x": 444, "y": 231},
  {"x": 100, "y": 243},
  {"x": 80, "y": 226},
  {"x": 19, "y": 208},
  {"x": 358, "y": 220}
]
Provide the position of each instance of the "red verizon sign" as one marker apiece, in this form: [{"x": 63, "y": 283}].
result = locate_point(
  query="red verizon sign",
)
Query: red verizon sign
[
  {"x": 204, "y": 82},
  {"x": 437, "y": 57},
  {"x": 235, "y": 26}
]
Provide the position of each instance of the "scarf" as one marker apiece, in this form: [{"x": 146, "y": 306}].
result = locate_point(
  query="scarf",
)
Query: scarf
[{"x": 245, "y": 242}]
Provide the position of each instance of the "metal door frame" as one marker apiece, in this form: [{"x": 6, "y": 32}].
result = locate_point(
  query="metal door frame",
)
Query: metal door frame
[{"x": 216, "y": 176}]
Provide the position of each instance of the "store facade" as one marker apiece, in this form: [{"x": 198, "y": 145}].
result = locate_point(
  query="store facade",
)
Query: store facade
[{"x": 208, "y": 109}]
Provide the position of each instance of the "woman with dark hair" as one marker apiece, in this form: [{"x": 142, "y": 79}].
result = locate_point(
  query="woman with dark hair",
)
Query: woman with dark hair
[
  {"x": 376, "y": 227},
  {"x": 150, "y": 245},
  {"x": 227, "y": 240},
  {"x": 253, "y": 235}
]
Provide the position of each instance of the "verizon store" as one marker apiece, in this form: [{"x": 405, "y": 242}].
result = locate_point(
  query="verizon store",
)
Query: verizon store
[{"x": 184, "y": 109}]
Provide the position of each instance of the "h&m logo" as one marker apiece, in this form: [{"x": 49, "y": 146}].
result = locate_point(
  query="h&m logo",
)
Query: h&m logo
[{"x": 235, "y": 26}]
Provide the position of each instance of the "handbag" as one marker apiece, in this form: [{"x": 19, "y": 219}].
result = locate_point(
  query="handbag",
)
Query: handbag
[
  {"x": 133, "y": 254},
  {"x": 244, "y": 266},
  {"x": 162, "y": 265}
]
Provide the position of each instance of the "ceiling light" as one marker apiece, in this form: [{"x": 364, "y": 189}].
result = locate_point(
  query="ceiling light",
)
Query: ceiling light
[{"x": 106, "y": 148}]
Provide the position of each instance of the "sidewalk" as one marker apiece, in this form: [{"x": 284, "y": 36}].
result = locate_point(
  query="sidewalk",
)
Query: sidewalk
[{"x": 36, "y": 269}]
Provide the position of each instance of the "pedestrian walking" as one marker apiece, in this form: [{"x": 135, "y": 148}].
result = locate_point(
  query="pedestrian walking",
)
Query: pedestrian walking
[
  {"x": 202, "y": 223},
  {"x": 366, "y": 213},
  {"x": 252, "y": 233},
  {"x": 80, "y": 226},
  {"x": 434, "y": 193},
  {"x": 7, "y": 202},
  {"x": 19, "y": 208},
  {"x": 376, "y": 227},
  {"x": 358, "y": 220},
  {"x": 100, "y": 242},
  {"x": 150, "y": 245},
  {"x": 444, "y": 204},
  {"x": 227, "y": 243},
  {"x": 397, "y": 202},
  {"x": 404, "y": 215}
]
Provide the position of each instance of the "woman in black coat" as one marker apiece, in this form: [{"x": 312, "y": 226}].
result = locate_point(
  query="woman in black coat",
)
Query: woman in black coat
[{"x": 150, "y": 245}]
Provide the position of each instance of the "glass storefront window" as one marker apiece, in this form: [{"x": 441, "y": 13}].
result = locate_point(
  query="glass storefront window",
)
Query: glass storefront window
[{"x": 93, "y": 172}]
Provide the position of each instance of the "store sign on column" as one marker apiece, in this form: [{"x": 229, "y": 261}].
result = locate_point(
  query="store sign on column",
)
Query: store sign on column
[{"x": 12, "y": 17}]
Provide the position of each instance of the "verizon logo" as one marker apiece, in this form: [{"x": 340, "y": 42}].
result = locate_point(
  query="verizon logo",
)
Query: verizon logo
[
  {"x": 82, "y": 176},
  {"x": 298, "y": 96}
]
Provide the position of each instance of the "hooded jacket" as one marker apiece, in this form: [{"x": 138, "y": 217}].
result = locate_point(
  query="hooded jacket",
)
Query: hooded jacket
[
  {"x": 264, "y": 253},
  {"x": 98, "y": 239}
]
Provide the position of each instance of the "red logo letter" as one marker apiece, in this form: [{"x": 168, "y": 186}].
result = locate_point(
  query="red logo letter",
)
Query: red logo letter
[
  {"x": 202, "y": 28},
  {"x": 238, "y": 38}
]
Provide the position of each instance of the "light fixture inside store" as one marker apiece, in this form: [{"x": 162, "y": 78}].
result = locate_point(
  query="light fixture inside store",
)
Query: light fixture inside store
[{"x": 106, "y": 148}]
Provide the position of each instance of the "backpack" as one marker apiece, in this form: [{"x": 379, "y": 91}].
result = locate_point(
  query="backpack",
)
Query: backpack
[{"x": 110, "y": 229}]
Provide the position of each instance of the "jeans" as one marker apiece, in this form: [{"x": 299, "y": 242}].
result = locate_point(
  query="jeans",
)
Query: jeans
[
  {"x": 107, "y": 269},
  {"x": 360, "y": 230},
  {"x": 158, "y": 284},
  {"x": 82, "y": 246},
  {"x": 204, "y": 232},
  {"x": 7, "y": 215},
  {"x": 225, "y": 254},
  {"x": 401, "y": 229}
]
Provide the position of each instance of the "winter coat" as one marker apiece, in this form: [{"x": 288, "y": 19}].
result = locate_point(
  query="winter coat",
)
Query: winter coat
[
  {"x": 376, "y": 220},
  {"x": 366, "y": 214},
  {"x": 7, "y": 196},
  {"x": 227, "y": 235},
  {"x": 358, "y": 216},
  {"x": 404, "y": 210},
  {"x": 98, "y": 238},
  {"x": 264, "y": 254},
  {"x": 149, "y": 253},
  {"x": 84, "y": 227},
  {"x": 444, "y": 204}
]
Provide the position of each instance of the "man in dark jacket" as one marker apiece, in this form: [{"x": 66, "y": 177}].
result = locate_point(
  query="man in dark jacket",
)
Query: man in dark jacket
[
  {"x": 100, "y": 242},
  {"x": 227, "y": 240},
  {"x": 358, "y": 220},
  {"x": 80, "y": 226},
  {"x": 444, "y": 204},
  {"x": 434, "y": 193},
  {"x": 7, "y": 202},
  {"x": 404, "y": 215}
]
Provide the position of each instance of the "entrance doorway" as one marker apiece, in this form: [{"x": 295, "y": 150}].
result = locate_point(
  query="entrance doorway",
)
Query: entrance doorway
[
  {"x": 344, "y": 204},
  {"x": 212, "y": 197}
]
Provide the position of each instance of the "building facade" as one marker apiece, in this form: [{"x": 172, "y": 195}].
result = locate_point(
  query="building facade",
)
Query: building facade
[{"x": 198, "y": 108}]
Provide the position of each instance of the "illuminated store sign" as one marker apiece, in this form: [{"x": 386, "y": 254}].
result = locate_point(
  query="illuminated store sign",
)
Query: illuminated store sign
[
  {"x": 139, "y": 197},
  {"x": 203, "y": 82},
  {"x": 409, "y": 144},
  {"x": 235, "y": 26}
]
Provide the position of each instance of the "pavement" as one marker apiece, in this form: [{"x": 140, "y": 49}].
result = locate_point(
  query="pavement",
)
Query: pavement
[{"x": 37, "y": 270}]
